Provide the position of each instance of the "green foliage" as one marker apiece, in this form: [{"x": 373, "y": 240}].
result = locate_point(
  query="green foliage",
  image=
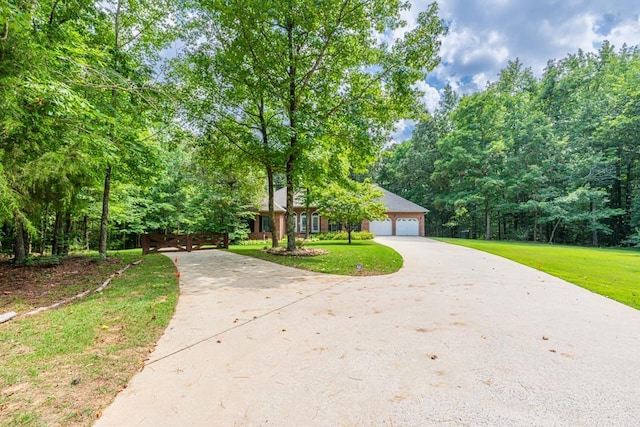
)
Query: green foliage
[
  {"x": 343, "y": 235},
  {"x": 41, "y": 261},
  {"x": 76, "y": 99},
  {"x": 609, "y": 272},
  {"x": 549, "y": 159},
  {"x": 296, "y": 85},
  {"x": 351, "y": 203}
]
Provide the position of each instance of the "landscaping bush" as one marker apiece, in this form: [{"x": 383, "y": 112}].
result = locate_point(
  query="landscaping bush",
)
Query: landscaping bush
[{"x": 342, "y": 235}]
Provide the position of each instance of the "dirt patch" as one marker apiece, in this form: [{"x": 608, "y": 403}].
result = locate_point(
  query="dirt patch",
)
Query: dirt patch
[
  {"x": 299, "y": 252},
  {"x": 31, "y": 286}
]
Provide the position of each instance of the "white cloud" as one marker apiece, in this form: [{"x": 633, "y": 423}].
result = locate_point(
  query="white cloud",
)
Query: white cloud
[
  {"x": 485, "y": 34},
  {"x": 628, "y": 32},
  {"x": 404, "y": 129},
  {"x": 573, "y": 34},
  {"x": 430, "y": 97}
]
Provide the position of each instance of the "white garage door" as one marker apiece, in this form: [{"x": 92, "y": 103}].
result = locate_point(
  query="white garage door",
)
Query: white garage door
[
  {"x": 381, "y": 228},
  {"x": 407, "y": 227}
]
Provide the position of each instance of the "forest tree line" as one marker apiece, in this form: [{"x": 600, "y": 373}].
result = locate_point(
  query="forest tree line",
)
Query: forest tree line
[
  {"x": 548, "y": 159},
  {"x": 100, "y": 143},
  {"x": 123, "y": 117},
  {"x": 91, "y": 153}
]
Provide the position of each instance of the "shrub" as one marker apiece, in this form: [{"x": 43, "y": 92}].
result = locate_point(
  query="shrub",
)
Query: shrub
[
  {"x": 324, "y": 236},
  {"x": 342, "y": 235},
  {"x": 42, "y": 261}
]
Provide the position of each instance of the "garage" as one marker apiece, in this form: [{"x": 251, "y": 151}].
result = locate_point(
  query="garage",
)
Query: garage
[
  {"x": 407, "y": 227},
  {"x": 381, "y": 228}
]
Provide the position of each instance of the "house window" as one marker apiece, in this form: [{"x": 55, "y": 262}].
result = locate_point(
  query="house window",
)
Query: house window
[
  {"x": 265, "y": 224},
  {"x": 303, "y": 222},
  {"x": 335, "y": 226},
  {"x": 315, "y": 223}
]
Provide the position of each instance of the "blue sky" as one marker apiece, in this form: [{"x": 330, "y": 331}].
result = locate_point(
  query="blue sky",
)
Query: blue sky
[{"x": 485, "y": 34}]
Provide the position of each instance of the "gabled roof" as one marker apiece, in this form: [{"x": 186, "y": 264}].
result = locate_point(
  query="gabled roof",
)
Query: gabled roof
[
  {"x": 393, "y": 202},
  {"x": 396, "y": 203},
  {"x": 280, "y": 201}
]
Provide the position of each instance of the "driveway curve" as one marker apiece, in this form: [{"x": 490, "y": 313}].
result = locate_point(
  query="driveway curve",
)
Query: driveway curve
[{"x": 456, "y": 337}]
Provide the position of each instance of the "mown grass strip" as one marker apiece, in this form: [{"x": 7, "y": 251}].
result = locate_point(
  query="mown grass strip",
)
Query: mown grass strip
[
  {"x": 62, "y": 367},
  {"x": 614, "y": 273},
  {"x": 342, "y": 259}
]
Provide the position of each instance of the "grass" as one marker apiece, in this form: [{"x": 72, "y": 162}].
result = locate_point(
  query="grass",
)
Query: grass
[
  {"x": 614, "y": 273},
  {"x": 343, "y": 259},
  {"x": 62, "y": 367}
]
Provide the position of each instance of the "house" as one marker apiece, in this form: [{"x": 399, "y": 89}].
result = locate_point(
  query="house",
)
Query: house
[{"x": 404, "y": 218}]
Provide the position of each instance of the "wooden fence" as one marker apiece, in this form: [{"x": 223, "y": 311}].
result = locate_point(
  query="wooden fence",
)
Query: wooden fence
[{"x": 184, "y": 242}]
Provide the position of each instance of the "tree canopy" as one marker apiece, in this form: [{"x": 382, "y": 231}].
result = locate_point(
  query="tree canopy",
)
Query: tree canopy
[
  {"x": 102, "y": 140},
  {"x": 292, "y": 84},
  {"x": 351, "y": 203},
  {"x": 550, "y": 159}
]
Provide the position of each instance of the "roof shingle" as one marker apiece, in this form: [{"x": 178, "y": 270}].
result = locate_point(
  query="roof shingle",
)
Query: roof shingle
[{"x": 393, "y": 202}]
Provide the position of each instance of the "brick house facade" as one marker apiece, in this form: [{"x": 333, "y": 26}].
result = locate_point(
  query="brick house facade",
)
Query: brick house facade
[{"x": 404, "y": 218}]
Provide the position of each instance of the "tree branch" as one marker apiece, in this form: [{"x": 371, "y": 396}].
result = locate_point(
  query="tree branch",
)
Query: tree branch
[{"x": 53, "y": 12}]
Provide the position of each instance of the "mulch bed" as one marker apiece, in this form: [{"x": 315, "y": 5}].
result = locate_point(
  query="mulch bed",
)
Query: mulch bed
[
  {"x": 40, "y": 284},
  {"x": 298, "y": 252}
]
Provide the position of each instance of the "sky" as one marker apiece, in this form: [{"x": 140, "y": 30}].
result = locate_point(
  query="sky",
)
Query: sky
[{"x": 485, "y": 34}]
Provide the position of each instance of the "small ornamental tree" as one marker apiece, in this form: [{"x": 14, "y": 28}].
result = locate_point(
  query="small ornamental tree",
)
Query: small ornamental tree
[{"x": 351, "y": 204}]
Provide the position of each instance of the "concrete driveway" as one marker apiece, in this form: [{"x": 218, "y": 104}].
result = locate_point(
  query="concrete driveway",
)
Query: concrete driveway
[{"x": 456, "y": 337}]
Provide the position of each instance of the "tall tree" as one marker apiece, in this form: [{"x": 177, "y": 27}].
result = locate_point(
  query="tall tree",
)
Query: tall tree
[
  {"x": 323, "y": 72},
  {"x": 45, "y": 141},
  {"x": 226, "y": 100},
  {"x": 134, "y": 31},
  {"x": 473, "y": 156}
]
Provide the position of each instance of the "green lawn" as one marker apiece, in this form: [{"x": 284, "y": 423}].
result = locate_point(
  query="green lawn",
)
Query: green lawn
[
  {"x": 63, "y": 366},
  {"x": 342, "y": 258},
  {"x": 614, "y": 273}
]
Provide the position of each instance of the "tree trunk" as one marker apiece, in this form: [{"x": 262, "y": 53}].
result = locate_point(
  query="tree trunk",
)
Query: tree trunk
[
  {"x": 272, "y": 215},
  {"x": 57, "y": 226},
  {"x": 349, "y": 233},
  {"x": 85, "y": 231},
  {"x": 553, "y": 232},
  {"x": 104, "y": 219},
  {"x": 291, "y": 224},
  {"x": 309, "y": 221},
  {"x": 594, "y": 230},
  {"x": 292, "y": 109},
  {"x": 487, "y": 222},
  {"x": 19, "y": 248},
  {"x": 628, "y": 201},
  {"x": 43, "y": 233},
  {"x": 616, "y": 202},
  {"x": 66, "y": 234}
]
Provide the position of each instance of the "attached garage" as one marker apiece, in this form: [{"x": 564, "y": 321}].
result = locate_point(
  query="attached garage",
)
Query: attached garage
[
  {"x": 404, "y": 218},
  {"x": 381, "y": 228},
  {"x": 407, "y": 227}
]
